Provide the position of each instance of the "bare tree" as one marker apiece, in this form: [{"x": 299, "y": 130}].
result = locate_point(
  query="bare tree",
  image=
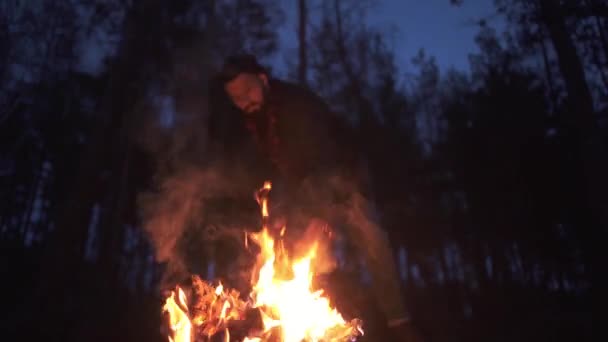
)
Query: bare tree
[
  {"x": 590, "y": 144},
  {"x": 302, "y": 38}
]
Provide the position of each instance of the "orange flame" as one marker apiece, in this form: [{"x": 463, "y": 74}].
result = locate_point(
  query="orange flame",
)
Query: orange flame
[
  {"x": 289, "y": 303},
  {"x": 264, "y": 192},
  {"x": 179, "y": 322},
  {"x": 281, "y": 290}
]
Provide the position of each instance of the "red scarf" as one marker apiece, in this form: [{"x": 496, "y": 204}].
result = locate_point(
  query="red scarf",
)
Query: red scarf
[{"x": 262, "y": 127}]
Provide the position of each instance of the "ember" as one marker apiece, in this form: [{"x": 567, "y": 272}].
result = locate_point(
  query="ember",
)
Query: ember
[{"x": 287, "y": 308}]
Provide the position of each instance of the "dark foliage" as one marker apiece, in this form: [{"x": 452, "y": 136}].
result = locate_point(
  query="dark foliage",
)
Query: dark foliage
[{"x": 491, "y": 185}]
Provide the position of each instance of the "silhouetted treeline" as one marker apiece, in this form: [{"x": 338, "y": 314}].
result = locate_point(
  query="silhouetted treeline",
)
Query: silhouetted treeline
[{"x": 490, "y": 183}]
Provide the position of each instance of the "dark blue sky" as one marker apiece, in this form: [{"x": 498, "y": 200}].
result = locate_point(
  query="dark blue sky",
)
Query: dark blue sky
[{"x": 444, "y": 31}]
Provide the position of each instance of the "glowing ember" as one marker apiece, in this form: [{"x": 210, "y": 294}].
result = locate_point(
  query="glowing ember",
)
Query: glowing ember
[{"x": 281, "y": 292}]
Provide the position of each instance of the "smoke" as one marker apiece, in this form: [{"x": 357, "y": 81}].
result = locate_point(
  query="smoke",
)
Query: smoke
[
  {"x": 179, "y": 203},
  {"x": 197, "y": 195},
  {"x": 181, "y": 213},
  {"x": 195, "y": 199}
]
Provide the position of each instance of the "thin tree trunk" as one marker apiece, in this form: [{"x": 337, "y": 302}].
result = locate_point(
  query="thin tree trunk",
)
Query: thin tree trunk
[
  {"x": 600, "y": 67},
  {"x": 569, "y": 62},
  {"x": 113, "y": 225},
  {"x": 365, "y": 107},
  {"x": 64, "y": 252},
  {"x": 118, "y": 147},
  {"x": 604, "y": 43},
  {"x": 31, "y": 200},
  {"x": 303, "y": 24},
  {"x": 548, "y": 73},
  {"x": 600, "y": 28}
]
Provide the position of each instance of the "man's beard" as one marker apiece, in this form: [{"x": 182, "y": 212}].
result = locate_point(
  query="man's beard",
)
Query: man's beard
[
  {"x": 259, "y": 107},
  {"x": 254, "y": 108}
]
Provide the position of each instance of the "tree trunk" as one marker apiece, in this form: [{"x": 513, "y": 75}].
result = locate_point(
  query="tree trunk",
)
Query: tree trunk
[
  {"x": 604, "y": 43},
  {"x": 593, "y": 209},
  {"x": 129, "y": 86},
  {"x": 548, "y": 73},
  {"x": 365, "y": 108},
  {"x": 64, "y": 250},
  {"x": 303, "y": 23},
  {"x": 569, "y": 62}
]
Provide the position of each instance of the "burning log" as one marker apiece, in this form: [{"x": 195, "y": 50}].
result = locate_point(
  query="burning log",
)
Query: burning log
[
  {"x": 216, "y": 315},
  {"x": 212, "y": 307}
]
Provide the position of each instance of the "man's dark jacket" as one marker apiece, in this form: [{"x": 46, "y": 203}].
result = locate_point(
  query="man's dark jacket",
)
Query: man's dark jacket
[{"x": 295, "y": 137}]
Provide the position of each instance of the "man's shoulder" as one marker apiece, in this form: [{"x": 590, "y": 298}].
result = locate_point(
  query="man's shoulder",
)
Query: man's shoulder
[
  {"x": 293, "y": 94},
  {"x": 287, "y": 86}
]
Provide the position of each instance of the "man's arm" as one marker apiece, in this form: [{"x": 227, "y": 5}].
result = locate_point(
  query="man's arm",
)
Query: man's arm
[
  {"x": 338, "y": 149},
  {"x": 326, "y": 139}
]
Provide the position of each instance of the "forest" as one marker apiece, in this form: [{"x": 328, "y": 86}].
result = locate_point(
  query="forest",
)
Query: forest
[{"x": 490, "y": 183}]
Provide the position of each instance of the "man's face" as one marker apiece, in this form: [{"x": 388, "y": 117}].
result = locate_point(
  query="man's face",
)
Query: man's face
[{"x": 248, "y": 91}]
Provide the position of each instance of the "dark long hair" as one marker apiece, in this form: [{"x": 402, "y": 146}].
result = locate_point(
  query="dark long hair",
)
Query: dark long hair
[{"x": 238, "y": 64}]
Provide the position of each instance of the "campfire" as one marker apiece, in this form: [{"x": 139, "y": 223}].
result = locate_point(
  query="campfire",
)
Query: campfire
[{"x": 282, "y": 305}]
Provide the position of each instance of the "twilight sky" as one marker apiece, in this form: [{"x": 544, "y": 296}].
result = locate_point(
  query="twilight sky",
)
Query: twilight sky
[{"x": 444, "y": 31}]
